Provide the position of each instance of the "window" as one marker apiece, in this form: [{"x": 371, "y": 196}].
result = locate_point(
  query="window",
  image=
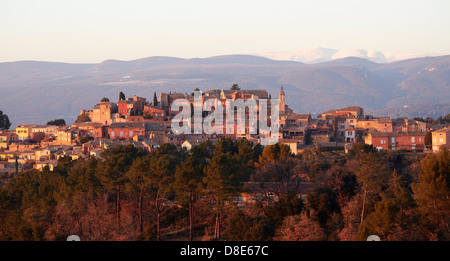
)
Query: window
[
  {"x": 413, "y": 139},
  {"x": 393, "y": 139}
]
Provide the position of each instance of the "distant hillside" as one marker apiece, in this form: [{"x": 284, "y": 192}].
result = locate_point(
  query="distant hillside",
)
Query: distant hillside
[
  {"x": 353, "y": 61},
  {"x": 418, "y": 110},
  {"x": 37, "y": 92}
]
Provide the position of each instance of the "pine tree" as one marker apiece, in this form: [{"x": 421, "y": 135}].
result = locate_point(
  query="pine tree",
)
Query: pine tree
[
  {"x": 433, "y": 190},
  {"x": 371, "y": 176},
  {"x": 235, "y": 87},
  {"x": 121, "y": 96},
  {"x": 188, "y": 185},
  {"x": 4, "y": 121},
  {"x": 116, "y": 162},
  {"x": 223, "y": 179},
  {"x": 138, "y": 184}
]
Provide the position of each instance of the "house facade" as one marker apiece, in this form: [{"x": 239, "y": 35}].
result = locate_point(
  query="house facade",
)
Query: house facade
[
  {"x": 350, "y": 134},
  {"x": 48, "y": 130},
  {"x": 24, "y": 131},
  {"x": 127, "y": 130},
  {"x": 440, "y": 138},
  {"x": 396, "y": 140},
  {"x": 6, "y": 138}
]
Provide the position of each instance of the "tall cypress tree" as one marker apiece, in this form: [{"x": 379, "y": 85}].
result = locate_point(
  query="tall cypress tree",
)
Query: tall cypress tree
[
  {"x": 155, "y": 99},
  {"x": 121, "y": 96},
  {"x": 4, "y": 121}
]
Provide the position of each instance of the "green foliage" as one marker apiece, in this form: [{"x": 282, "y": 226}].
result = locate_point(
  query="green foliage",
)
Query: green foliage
[
  {"x": 308, "y": 138},
  {"x": 121, "y": 96},
  {"x": 287, "y": 205},
  {"x": 4, "y": 121},
  {"x": 116, "y": 162},
  {"x": 188, "y": 180},
  {"x": 273, "y": 153},
  {"x": 381, "y": 221},
  {"x": 82, "y": 118},
  {"x": 86, "y": 139},
  {"x": 155, "y": 99},
  {"x": 241, "y": 227},
  {"x": 57, "y": 122},
  {"x": 203, "y": 152},
  {"x": 343, "y": 181},
  {"x": 247, "y": 152},
  {"x": 83, "y": 176},
  {"x": 235, "y": 87},
  {"x": 428, "y": 139},
  {"x": 433, "y": 191},
  {"x": 361, "y": 148},
  {"x": 395, "y": 195},
  {"x": 323, "y": 202},
  {"x": 372, "y": 173},
  {"x": 439, "y": 120},
  {"x": 223, "y": 176}
]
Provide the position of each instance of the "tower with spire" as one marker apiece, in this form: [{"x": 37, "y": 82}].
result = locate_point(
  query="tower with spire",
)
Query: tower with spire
[{"x": 282, "y": 100}]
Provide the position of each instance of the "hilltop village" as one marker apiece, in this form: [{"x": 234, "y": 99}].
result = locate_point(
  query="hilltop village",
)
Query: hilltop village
[{"x": 147, "y": 124}]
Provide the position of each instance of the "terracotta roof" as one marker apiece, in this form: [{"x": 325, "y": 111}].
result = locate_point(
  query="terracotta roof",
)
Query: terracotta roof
[
  {"x": 396, "y": 134},
  {"x": 88, "y": 124},
  {"x": 443, "y": 130},
  {"x": 384, "y": 120},
  {"x": 297, "y": 116},
  {"x": 350, "y": 108},
  {"x": 117, "y": 125},
  {"x": 6, "y": 133}
]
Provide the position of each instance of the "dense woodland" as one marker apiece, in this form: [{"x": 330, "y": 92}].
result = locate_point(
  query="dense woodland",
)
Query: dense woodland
[
  {"x": 438, "y": 120},
  {"x": 168, "y": 194}
]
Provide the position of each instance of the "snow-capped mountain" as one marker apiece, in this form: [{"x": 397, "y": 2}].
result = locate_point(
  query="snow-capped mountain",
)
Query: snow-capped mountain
[{"x": 319, "y": 54}]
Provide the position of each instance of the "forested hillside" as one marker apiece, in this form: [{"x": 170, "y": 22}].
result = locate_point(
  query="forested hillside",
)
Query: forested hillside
[{"x": 130, "y": 194}]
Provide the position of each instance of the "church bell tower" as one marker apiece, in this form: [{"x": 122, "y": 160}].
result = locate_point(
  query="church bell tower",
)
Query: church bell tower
[{"x": 282, "y": 101}]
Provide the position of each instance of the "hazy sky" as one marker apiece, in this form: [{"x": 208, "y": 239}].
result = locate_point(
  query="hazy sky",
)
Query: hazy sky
[{"x": 96, "y": 30}]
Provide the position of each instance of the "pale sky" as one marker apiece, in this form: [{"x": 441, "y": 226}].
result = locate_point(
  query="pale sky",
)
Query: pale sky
[{"x": 96, "y": 30}]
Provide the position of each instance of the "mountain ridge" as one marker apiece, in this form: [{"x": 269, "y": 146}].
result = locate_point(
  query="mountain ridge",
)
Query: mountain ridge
[{"x": 320, "y": 55}]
